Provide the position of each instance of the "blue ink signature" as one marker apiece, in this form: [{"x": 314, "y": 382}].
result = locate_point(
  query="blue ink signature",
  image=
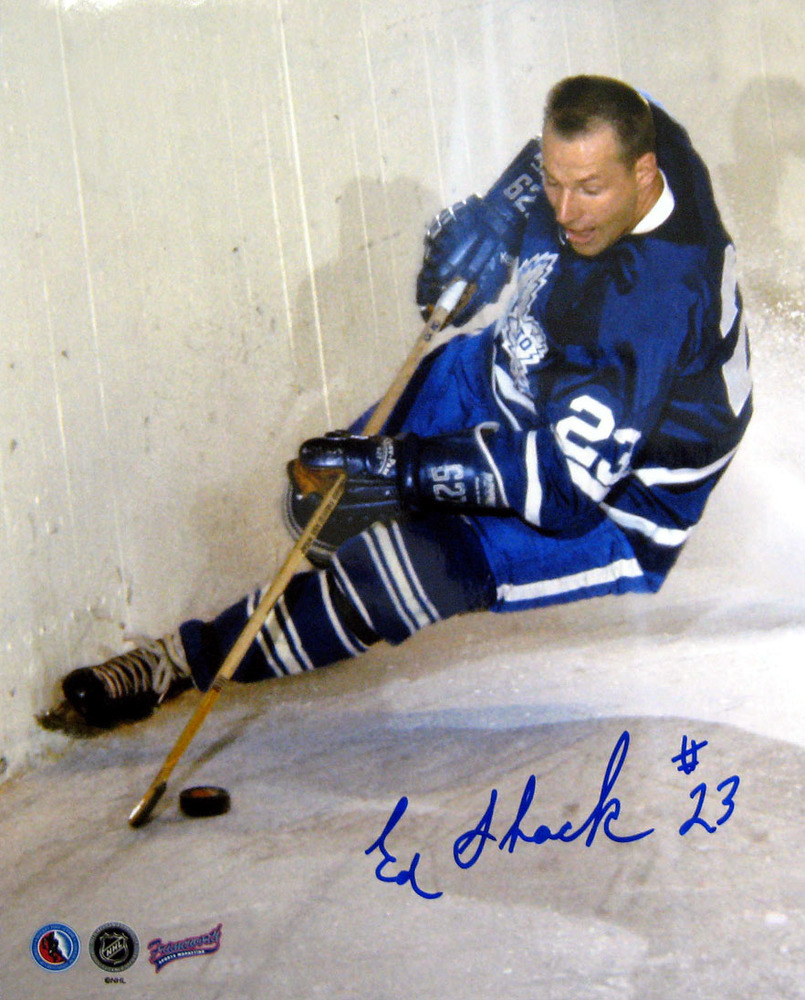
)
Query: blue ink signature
[
  {"x": 699, "y": 793},
  {"x": 605, "y": 812},
  {"x": 470, "y": 845},
  {"x": 407, "y": 875}
]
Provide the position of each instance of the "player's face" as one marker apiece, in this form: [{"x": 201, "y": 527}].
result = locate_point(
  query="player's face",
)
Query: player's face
[{"x": 595, "y": 195}]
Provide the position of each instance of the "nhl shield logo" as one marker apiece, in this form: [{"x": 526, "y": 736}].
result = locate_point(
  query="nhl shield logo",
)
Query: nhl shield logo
[{"x": 114, "y": 947}]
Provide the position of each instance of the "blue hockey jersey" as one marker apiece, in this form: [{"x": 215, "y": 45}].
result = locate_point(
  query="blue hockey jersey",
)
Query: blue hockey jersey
[{"x": 622, "y": 381}]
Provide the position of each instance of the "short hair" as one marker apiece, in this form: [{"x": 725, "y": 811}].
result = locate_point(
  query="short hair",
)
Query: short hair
[{"x": 579, "y": 105}]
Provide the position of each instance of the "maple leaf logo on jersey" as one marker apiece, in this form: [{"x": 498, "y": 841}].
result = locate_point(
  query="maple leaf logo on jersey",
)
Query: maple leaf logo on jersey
[{"x": 519, "y": 332}]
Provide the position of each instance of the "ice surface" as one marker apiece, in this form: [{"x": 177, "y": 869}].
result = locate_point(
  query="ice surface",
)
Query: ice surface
[{"x": 204, "y": 203}]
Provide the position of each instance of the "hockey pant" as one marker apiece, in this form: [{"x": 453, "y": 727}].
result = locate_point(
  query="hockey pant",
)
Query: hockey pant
[
  {"x": 385, "y": 583},
  {"x": 390, "y": 581}
]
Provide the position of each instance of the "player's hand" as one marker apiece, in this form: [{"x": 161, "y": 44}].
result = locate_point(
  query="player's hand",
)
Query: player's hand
[
  {"x": 365, "y": 458},
  {"x": 454, "y": 470},
  {"x": 370, "y": 493},
  {"x": 466, "y": 241},
  {"x": 478, "y": 240}
]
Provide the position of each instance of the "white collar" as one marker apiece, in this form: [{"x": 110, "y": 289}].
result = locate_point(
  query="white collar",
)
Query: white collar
[{"x": 659, "y": 212}]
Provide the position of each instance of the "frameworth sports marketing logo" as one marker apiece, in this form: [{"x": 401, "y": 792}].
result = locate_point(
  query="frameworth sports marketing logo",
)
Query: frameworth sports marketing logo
[
  {"x": 55, "y": 947},
  {"x": 160, "y": 952}
]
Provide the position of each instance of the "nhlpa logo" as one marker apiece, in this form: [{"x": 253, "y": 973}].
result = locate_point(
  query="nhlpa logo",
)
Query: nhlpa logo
[
  {"x": 161, "y": 952},
  {"x": 520, "y": 333}
]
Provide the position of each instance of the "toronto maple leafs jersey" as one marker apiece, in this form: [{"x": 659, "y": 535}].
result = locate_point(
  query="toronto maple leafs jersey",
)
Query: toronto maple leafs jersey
[{"x": 621, "y": 382}]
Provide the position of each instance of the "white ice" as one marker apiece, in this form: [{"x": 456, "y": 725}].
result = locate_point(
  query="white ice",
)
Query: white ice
[{"x": 212, "y": 218}]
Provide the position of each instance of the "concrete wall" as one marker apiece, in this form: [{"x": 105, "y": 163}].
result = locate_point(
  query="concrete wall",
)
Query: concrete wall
[{"x": 212, "y": 217}]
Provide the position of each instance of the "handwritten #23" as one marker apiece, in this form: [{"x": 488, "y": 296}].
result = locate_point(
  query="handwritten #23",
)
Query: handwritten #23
[{"x": 470, "y": 845}]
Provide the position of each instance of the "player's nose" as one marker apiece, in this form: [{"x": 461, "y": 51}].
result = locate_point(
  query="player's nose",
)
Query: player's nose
[{"x": 566, "y": 208}]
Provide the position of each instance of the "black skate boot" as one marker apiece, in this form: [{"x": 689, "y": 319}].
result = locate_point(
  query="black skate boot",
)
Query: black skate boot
[{"x": 125, "y": 688}]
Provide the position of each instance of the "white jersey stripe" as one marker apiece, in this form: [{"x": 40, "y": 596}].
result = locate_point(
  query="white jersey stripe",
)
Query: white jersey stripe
[
  {"x": 533, "y": 497},
  {"x": 276, "y": 665},
  {"x": 352, "y": 593},
  {"x": 354, "y": 648},
  {"x": 404, "y": 587},
  {"x": 673, "y": 477},
  {"x": 503, "y": 388},
  {"x": 387, "y": 581},
  {"x": 621, "y": 568},
  {"x": 667, "y": 537},
  {"x": 286, "y": 638},
  {"x": 507, "y": 388}
]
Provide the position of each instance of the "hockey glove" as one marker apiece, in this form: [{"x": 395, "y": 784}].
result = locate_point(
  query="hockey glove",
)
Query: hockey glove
[
  {"x": 370, "y": 494},
  {"x": 407, "y": 471},
  {"x": 479, "y": 239}
]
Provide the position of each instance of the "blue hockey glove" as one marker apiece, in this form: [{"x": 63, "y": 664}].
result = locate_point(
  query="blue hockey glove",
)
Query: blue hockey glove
[
  {"x": 479, "y": 239},
  {"x": 370, "y": 493},
  {"x": 408, "y": 471},
  {"x": 371, "y": 458},
  {"x": 455, "y": 470}
]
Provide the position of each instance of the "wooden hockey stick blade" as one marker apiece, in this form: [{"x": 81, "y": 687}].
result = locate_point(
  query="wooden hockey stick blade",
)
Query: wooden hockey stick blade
[
  {"x": 145, "y": 807},
  {"x": 142, "y": 811}
]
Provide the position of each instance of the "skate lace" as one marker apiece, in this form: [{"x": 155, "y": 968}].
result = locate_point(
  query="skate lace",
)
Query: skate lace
[{"x": 153, "y": 666}]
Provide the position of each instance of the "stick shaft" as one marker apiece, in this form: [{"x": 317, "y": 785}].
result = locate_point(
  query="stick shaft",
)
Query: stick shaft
[
  {"x": 441, "y": 312},
  {"x": 239, "y": 649},
  {"x": 439, "y": 317}
]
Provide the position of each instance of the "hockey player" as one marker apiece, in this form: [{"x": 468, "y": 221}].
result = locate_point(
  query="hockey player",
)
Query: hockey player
[{"x": 565, "y": 451}]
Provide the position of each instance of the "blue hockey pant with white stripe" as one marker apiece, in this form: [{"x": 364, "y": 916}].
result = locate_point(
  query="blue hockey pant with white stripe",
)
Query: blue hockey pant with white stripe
[
  {"x": 388, "y": 582},
  {"x": 391, "y": 580}
]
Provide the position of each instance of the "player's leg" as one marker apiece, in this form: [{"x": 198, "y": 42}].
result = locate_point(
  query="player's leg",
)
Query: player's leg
[
  {"x": 311, "y": 625},
  {"x": 386, "y": 583},
  {"x": 447, "y": 392}
]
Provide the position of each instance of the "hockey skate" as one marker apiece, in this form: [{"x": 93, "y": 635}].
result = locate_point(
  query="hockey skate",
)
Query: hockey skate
[{"x": 125, "y": 688}]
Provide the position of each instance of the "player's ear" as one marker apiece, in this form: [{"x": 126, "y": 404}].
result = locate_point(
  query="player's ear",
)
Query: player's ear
[{"x": 646, "y": 170}]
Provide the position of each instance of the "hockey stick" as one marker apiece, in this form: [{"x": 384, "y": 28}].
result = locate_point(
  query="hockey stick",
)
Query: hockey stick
[{"x": 447, "y": 303}]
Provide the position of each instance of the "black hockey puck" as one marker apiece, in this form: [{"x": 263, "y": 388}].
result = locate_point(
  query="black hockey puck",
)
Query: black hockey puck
[{"x": 204, "y": 800}]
